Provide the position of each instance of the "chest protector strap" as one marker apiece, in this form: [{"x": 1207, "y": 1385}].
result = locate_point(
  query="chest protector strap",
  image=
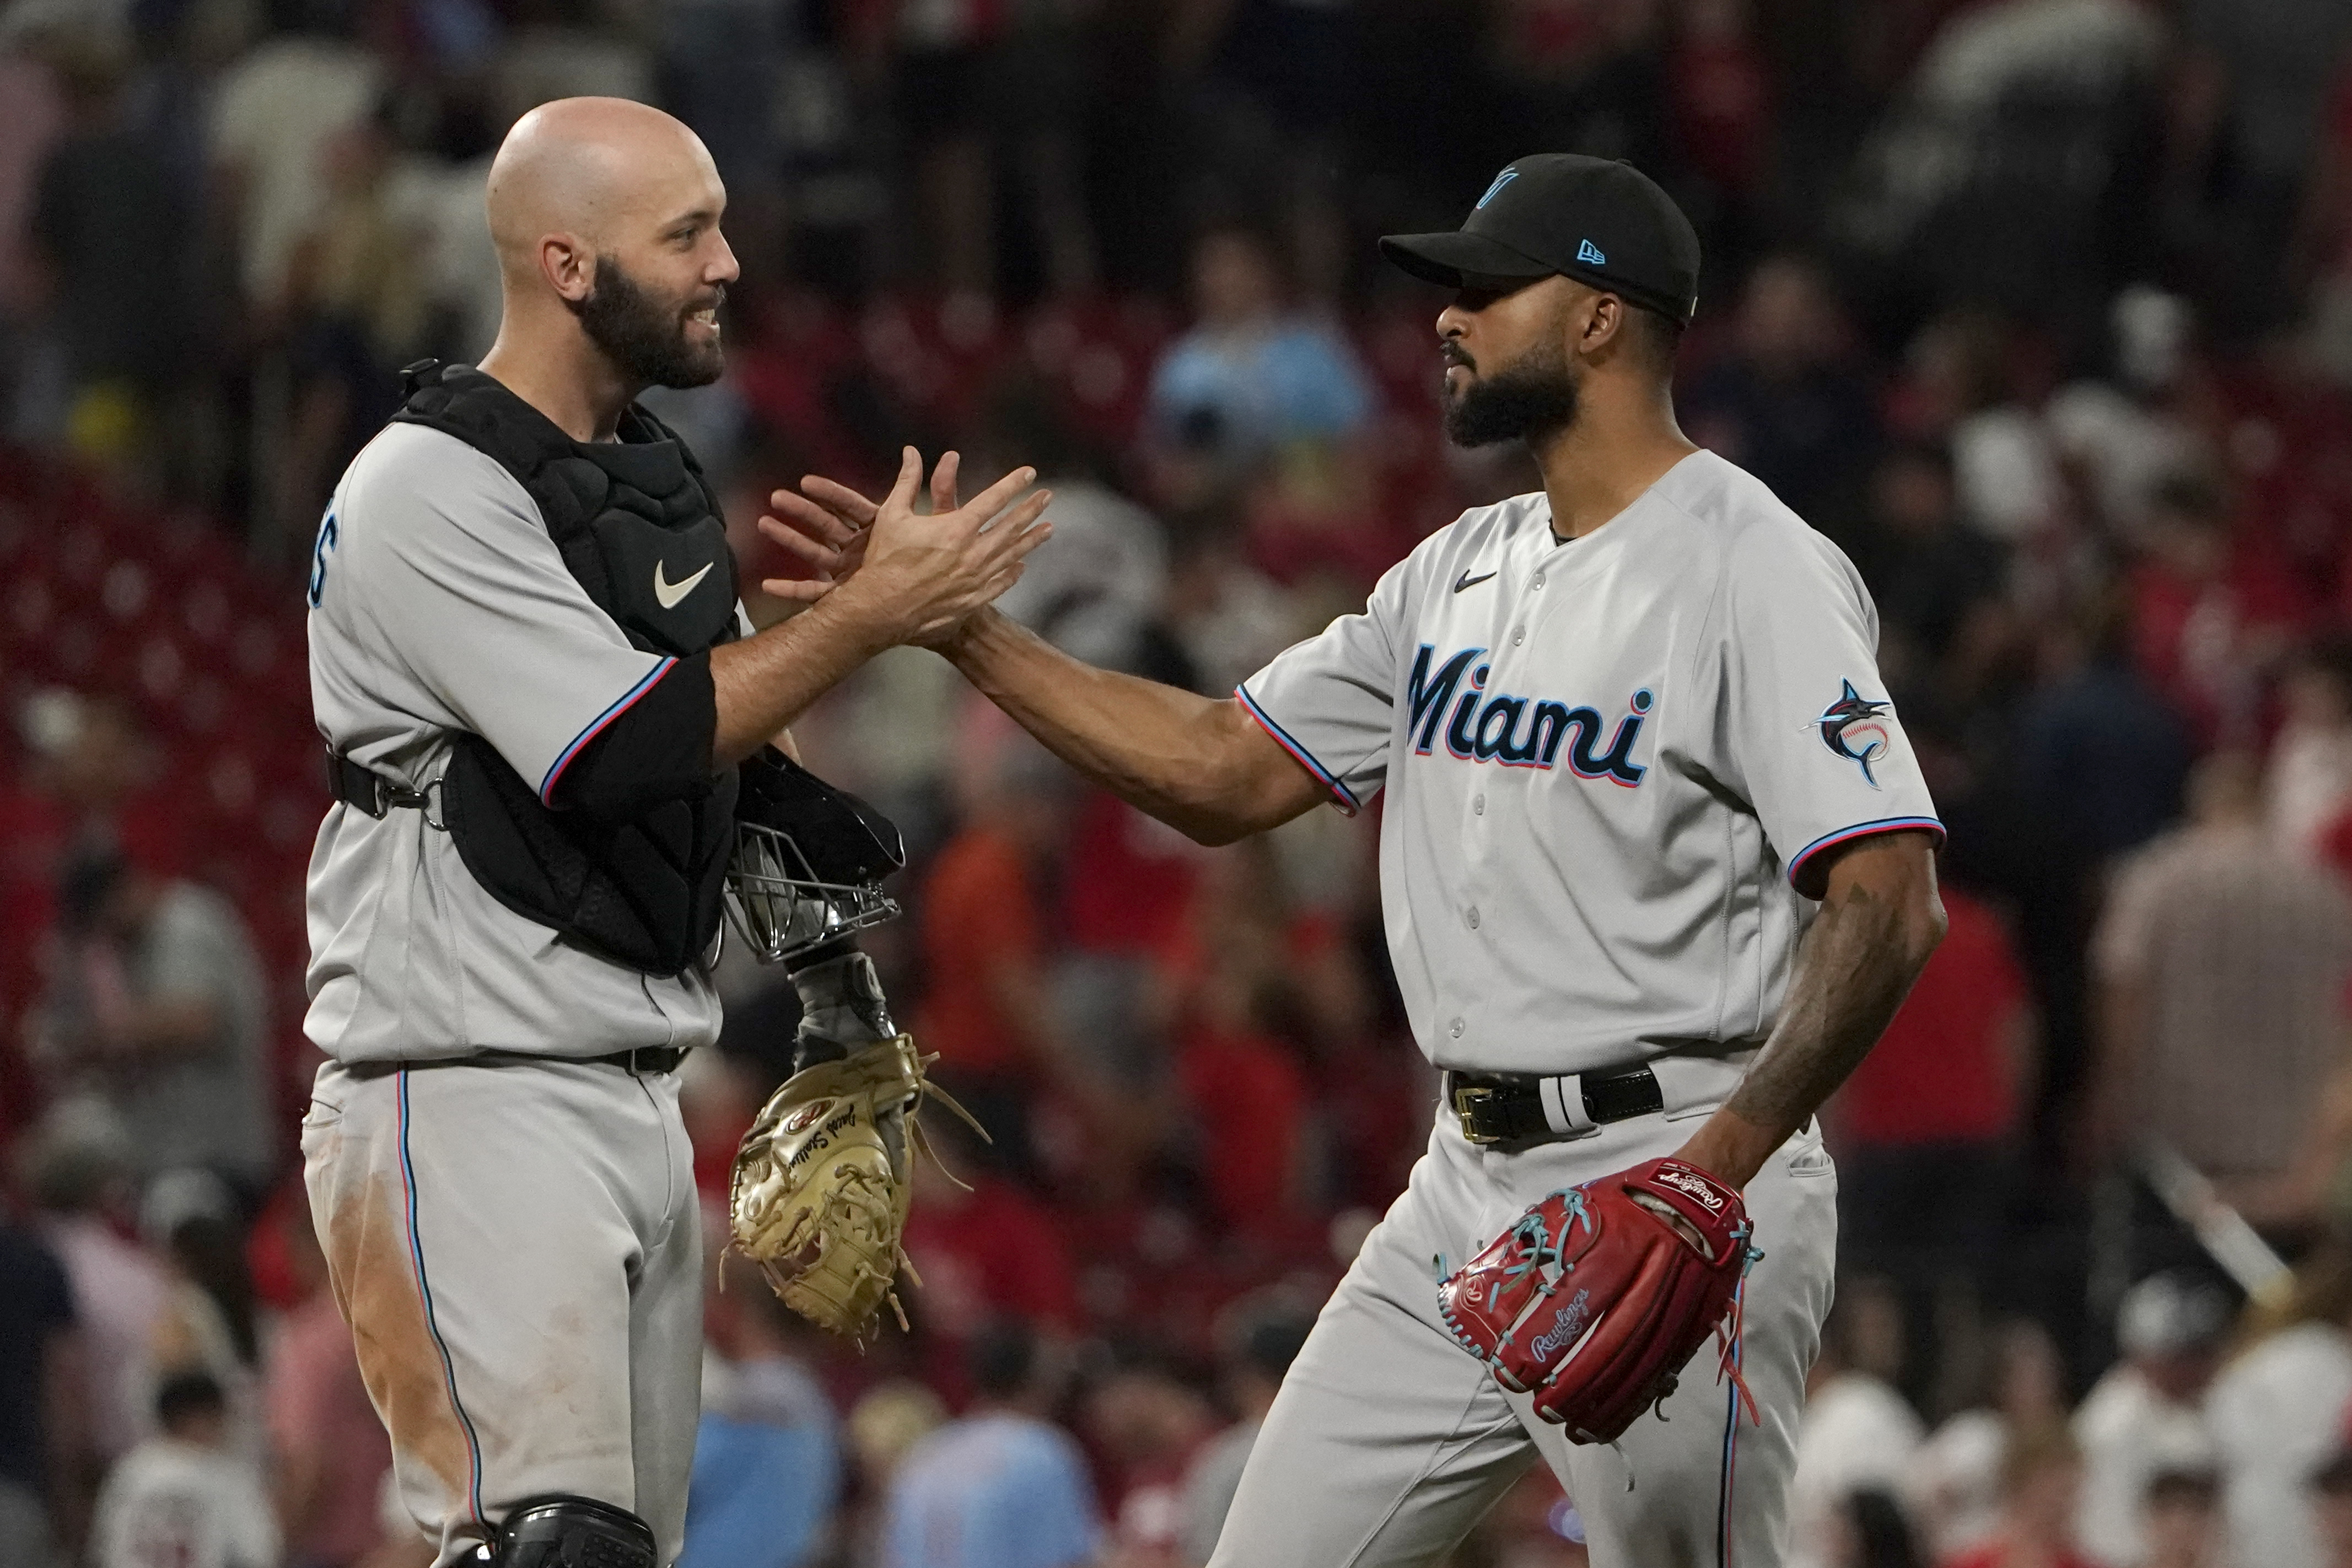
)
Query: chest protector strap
[{"x": 645, "y": 893}]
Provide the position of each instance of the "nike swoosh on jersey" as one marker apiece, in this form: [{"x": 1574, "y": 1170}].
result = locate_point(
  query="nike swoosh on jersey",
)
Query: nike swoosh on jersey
[
  {"x": 1466, "y": 581},
  {"x": 669, "y": 592}
]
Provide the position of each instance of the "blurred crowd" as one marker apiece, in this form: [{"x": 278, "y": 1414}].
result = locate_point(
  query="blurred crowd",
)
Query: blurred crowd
[{"x": 2042, "y": 310}]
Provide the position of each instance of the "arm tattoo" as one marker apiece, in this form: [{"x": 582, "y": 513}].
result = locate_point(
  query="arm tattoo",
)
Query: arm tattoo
[{"x": 1856, "y": 969}]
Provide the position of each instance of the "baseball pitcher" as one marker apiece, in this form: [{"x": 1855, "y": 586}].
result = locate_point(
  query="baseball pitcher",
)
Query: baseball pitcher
[{"x": 1657, "y": 867}]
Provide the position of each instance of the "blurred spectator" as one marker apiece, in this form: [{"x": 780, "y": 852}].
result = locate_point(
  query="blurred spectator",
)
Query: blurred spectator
[
  {"x": 1150, "y": 1424},
  {"x": 1787, "y": 403},
  {"x": 2327, "y": 234},
  {"x": 329, "y": 1451},
  {"x": 2041, "y": 1475},
  {"x": 988, "y": 1010},
  {"x": 359, "y": 304},
  {"x": 2180, "y": 1523},
  {"x": 977, "y": 92},
  {"x": 1229, "y": 979},
  {"x": 35, "y": 118},
  {"x": 95, "y": 770},
  {"x": 2331, "y": 1493},
  {"x": 2103, "y": 759},
  {"x": 1228, "y": 618},
  {"x": 210, "y": 1322},
  {"x": 1956, "y": 1476},
  {"x": 44, "y": 1483},
  {"x": 272, "y": 113},
  {"x": 2277, "y": 1414},
  {"x": 1857, "y": 1433},
  {"x": 986, "y": 1250},
  {"x": 182, "y": 1497},
  {"x": 157, "y": 1005},
  {"x": 108, "y": 225},
  {"x": 2260, "y": 76},
  {"x": 2311, "y": 761},
  {"x": 1872, "y": 1531},
  {"x": 1096, "y": 593},
  {"x": 1254, "y": 374},
  {"x": 1925, "y": 1133},
  {"x": 2145, "y": 1420},
  {"x": 767, "y": 1453},
  {"x": 77, "y": 1175},
  {"x": 1962, "y": 391},
  {"x": 2209, "y": 616},
  {"x": 999, "y": 1487},
  {"x": 2130, "y": 433},
  {"x": 2214, "y": 935},
  {"x": 1261, "y": 1349},
  {"x": 2315, "y": 1190},
  {"x": 1928, "y": 573}
]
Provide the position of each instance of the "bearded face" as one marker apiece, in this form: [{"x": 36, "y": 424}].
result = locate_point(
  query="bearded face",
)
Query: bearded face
[
  {"x": 655, "y": 340},
  {"x": 1534, "y": 395}
]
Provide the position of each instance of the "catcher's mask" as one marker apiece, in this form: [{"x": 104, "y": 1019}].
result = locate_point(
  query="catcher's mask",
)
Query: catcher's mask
[{"x": 808, "y": 860}]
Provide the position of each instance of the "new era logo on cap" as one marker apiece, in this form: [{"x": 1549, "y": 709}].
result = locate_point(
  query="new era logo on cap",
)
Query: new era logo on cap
[{"x": 1589, "y": 254}]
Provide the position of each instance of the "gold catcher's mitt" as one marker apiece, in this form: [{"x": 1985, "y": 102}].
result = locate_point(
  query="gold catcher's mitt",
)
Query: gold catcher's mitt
[{"x": 821, "y": 1186}]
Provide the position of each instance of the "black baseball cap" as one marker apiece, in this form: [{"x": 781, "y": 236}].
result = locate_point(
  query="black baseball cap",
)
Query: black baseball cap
[{"x": 1603, "y": 223}]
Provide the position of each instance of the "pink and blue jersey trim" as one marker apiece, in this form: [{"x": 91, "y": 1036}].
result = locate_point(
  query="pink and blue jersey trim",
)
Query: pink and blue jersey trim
[
  {"x": 1863, "y": 831},
  {"x": 598, "y": 725},
  {"x": 1303, "y": 757}
]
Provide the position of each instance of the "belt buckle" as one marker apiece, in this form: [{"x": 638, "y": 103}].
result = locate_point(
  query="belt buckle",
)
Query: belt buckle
[{"x": 1467, "y": 1098}]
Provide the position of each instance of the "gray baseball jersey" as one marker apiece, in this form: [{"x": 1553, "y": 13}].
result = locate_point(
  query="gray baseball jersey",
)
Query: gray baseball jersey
[
  {"x": 1609, "y": 763},
  {"x": 438, "y": 603}
]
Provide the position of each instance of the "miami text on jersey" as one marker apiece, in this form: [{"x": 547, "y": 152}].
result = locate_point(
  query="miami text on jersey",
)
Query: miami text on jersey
[{"x": 1517, "y": 732}]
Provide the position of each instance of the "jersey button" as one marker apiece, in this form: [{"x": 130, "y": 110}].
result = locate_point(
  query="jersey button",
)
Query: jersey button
[
  {"x": 1537, "y": 581},
  {"x": 1454, "y": 1029},
  {"x": 1518, "y": 635},
  {"x": 1474, "y": 917},
  {"x": 1478, "y": 805}
]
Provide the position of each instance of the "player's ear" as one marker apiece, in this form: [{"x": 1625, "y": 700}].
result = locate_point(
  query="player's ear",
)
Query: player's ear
[
  {"x": 568, "y": 265},
  {"x": 1604, "y": 324}
]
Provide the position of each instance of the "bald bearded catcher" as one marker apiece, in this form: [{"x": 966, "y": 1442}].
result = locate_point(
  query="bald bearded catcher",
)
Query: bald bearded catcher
[{"x": 548, "y": 724}]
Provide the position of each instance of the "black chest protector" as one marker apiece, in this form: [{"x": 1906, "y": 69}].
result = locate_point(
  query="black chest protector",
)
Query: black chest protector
[{"x": 631, "y": 518}]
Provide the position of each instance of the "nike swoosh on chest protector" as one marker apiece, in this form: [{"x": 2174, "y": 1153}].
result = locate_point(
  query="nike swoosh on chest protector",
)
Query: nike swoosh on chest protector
[{"x": 669, "y": 592}]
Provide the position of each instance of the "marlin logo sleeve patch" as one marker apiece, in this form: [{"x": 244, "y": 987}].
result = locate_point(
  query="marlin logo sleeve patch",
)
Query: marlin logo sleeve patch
[{"x": 1856, "y": 729}]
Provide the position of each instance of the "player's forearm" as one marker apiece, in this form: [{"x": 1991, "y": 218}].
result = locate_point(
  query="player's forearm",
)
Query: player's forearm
[
  {"x": 763, "y": 683},
  {"x": 1880, "y": 920},
  {"x": 1196, "y": 764}
]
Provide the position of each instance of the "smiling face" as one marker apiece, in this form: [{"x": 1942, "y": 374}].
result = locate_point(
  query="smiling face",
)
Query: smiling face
[
  {"x": 1508, "y": 373},
  {"x": 660, "y": 276},
  {"x": 614, "y": 208}
]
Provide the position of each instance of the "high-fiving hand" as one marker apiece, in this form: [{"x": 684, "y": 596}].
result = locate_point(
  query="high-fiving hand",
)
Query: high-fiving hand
[{"x": 919, "y": 573}]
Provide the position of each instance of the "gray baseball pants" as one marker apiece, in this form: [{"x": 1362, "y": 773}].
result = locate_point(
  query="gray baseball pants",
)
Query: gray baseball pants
[
  {"x": 518, "y": 1248},
  {"x": 1389, "y": 1440}
]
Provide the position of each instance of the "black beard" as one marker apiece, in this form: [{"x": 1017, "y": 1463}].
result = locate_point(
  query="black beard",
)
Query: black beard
[
  {"x": 1534, "y": 396},
  {"x": 645, "y": 337}
]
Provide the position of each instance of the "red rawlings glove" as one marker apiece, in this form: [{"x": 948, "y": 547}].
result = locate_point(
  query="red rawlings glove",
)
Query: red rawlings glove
[{"x": 1600, "y": 1294}]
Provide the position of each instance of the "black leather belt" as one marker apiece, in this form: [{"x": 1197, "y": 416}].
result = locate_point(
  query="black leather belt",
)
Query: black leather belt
[
  {"x": 644, "y": 1059},
  {"x": 1510, "y": 1107}
]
